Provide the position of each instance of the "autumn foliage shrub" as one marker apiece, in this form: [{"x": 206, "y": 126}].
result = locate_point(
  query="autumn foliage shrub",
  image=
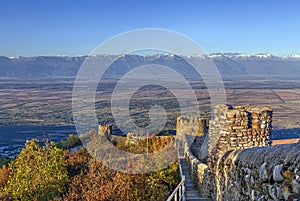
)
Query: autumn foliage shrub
[
  {"x": 38, "y": 173},
  {"x": 4, "y": 175},
  {"x": 99, "y": 183},
  {"x": 49, "y": 173},
  {"x": 91, "y": 180}
]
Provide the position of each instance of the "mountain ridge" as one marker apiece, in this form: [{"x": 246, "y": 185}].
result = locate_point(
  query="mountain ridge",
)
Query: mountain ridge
[{"x": 228, "y": 64}]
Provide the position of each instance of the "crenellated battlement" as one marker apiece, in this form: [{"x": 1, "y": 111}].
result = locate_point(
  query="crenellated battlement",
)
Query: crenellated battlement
[
  {"x": 105, "y": 130},
  {"x": 191, "y": 125},
  {"x": 238, "y": 127},
  {"x": 242, "y": 164}
]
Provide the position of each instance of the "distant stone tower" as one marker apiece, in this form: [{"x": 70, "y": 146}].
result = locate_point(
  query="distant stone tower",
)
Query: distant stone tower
[
  {"x": 192, "y": 129},
  {"x": 238, "y": 127},
  {"x": 191, "y": 125},
  {"x": 105, "y": 130}
]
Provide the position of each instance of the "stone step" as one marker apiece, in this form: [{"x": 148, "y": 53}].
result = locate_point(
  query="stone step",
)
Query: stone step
[{"x": 191, "y": 192}]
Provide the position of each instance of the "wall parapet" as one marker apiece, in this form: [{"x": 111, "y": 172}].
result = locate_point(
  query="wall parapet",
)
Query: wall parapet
[
  {"x": 242, "y": 164},
  {"x": 260, "y": 173},
  {"x": 198, "y": 171}
]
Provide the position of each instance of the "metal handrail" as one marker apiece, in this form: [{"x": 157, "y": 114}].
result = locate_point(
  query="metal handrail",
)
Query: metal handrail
[{"x": 179, "y": 192}]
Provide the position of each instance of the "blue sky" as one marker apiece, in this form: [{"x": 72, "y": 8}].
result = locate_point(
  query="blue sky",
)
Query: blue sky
[{"x": 69, "y": 27}]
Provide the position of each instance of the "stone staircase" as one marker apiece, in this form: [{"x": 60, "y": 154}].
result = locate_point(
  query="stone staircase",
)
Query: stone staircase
[{"x": 191, "y": 193}]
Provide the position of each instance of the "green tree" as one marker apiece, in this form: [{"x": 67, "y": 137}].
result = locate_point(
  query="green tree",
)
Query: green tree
[
  {"x": 4, "y": 160},
  {"x": 71, "y": 141},
  {"x": 38, "y": 173}
]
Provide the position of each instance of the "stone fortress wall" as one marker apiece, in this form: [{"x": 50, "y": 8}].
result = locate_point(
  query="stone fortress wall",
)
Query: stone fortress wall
[
  {"x": 241, "y": 164},
  {"x": 191, "y": 125},
  {"x": 238, "y": 127}
]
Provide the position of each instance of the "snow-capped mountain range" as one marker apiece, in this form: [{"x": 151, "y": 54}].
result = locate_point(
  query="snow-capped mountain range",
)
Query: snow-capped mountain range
[
  {"x": 228, "y": 64},
  {"x": 251, "y": 56}
]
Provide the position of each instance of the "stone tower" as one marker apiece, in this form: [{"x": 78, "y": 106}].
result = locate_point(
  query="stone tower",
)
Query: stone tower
[
  {"x": 105, "y": 130},
  {"x": 238, "y": 127}
]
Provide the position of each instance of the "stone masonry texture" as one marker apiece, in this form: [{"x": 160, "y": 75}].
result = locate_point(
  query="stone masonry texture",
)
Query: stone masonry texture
[{"x": 241, "y": 163}]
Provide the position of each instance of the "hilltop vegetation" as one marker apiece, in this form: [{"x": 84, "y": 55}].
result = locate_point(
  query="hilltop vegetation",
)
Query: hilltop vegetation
[
  {"x": 38, "y": 173},
  {"x": 51, "y": 173}
]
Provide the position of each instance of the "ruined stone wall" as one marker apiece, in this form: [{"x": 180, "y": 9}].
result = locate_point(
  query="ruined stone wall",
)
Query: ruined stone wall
[
  {"x": 260, "y": 173},
  {"x": 198, "y": 171},
  {"x": 191, "y": 130},
  {"x": 191, "y": 125},
  {"x": 242, "y": 165},
  {"x": 105, "y": 130},
  {"x": 238, "y": 128}
]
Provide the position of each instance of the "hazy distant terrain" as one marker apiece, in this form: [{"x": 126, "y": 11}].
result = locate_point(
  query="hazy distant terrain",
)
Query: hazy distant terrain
[
  {"x": 38, "y": 90},
  {"x": 229, "y": 65}
]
